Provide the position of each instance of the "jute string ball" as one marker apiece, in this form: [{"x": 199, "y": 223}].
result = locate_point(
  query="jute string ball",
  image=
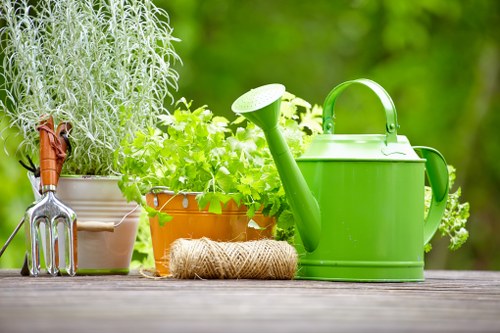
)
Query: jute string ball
[{"x": 207, "y": 259}]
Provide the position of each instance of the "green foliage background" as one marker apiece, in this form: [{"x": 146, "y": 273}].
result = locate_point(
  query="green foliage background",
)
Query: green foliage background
[{"x": 438, "y": 59}]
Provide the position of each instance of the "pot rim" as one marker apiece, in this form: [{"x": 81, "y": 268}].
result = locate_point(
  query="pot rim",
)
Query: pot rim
[
  {"x": 166, "y": 190},
  {"x": 68, "y": 176},
  {"x": 81, "y": 177}
]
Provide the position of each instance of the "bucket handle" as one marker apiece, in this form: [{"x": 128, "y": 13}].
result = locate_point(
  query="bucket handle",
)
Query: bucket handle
[
  {"x": 438, "y": 178},
  {"x": 391, "y": 125},
  {"x": 98, "y": 226}
]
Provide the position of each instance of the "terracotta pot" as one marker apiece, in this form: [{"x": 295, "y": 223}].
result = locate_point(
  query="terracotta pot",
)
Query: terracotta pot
[{"x": 192, "y": 223}]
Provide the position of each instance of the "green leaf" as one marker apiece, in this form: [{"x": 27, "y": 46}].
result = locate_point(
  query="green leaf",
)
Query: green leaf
[
  {"x": 215, "y": 206},
  {"x": 203, "y": 199},
  {"x": 251, "y": 211},
  {"x": 286, "y": 220},
  {"x": 220, "y": 121},
  {"x": 239, "y": 120},
  {"x": 164, "y": 218},
  {"x": 225, "y": 198}
]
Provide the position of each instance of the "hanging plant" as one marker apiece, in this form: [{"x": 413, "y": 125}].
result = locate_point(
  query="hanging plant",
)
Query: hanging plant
[{"x": 103, "y": 65}]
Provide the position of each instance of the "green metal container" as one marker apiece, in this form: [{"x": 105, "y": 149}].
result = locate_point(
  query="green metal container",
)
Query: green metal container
[{"x": 358, "y": 200}]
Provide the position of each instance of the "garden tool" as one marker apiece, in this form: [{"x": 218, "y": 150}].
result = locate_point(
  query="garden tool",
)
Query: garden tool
[
  {"x": 357, "y": 200},
  {"x": 62, "y": 132},
  {"x": 50, "y": 211}
]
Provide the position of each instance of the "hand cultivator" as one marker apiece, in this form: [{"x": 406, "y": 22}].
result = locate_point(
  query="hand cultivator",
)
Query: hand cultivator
[{"x": 45, "y": 215}]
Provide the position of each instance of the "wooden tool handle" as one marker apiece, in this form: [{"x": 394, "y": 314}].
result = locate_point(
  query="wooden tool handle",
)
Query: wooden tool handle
[{"x": 48, "y": 157}]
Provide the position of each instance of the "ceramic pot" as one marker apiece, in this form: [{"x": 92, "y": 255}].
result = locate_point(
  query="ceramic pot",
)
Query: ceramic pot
[
  {"x": 189, "y": 221},
  {"x": 99, "y": 201}
]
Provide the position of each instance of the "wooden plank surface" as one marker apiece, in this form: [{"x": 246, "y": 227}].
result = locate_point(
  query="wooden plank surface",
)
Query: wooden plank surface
[{"x": 448, "y": 301}]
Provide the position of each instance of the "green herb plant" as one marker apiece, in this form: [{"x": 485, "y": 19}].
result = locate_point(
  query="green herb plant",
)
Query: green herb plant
[
  {"x": 195, "y": 151},
  {"x": 105, "y": 66},
  {"x": 453, "y": 223}
]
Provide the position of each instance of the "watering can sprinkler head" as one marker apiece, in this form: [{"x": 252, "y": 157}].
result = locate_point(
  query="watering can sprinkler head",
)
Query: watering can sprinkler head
[{"x": 262, "y": 107}]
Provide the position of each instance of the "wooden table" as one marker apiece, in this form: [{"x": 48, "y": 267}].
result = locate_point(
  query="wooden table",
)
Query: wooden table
[{"x": 448, "y": 301}]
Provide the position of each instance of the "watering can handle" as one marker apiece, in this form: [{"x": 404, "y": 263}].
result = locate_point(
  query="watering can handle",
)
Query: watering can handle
[
  {"x": 390, "y": 110},
  {"x": 437, "y": 175}
]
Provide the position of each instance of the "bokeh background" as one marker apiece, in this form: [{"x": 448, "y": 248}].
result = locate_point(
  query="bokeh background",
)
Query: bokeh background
[{"x": 438, "y": 59}]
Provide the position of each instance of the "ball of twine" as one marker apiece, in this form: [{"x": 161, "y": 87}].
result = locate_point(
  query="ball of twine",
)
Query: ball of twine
[{"x": 207, "y": 259}]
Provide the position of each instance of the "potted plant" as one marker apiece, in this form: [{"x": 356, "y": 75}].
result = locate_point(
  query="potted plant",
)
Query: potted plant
[
  {"x": 198, "y": 175},
  {"x": 106, "y": 67},
  {"x": 195, "y": 151}
]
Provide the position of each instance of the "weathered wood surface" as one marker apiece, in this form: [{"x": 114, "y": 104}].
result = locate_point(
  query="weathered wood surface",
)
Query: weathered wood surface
[{"x": 448, "y": 301}]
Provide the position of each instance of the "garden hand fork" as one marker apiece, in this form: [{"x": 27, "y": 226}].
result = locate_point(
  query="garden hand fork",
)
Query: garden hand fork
[{"x": 49, "y": 210}]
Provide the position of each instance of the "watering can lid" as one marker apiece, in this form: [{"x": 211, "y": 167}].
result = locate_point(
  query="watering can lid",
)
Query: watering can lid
[{"x": 360, "y": 147}]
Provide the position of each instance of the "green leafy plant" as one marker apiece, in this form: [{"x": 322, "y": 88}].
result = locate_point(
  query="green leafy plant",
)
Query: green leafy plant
[
  {"x": 195, "y": 151},
  {"x": 103, "y": 65},
  {"x": 453, "y": 223}
]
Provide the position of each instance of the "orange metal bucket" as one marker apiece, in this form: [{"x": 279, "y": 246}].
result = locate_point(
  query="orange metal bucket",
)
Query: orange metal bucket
[{"x": 192, "y": 223}]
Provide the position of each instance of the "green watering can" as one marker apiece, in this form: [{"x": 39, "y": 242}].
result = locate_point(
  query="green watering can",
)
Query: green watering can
[{"x": 358, "y": 200}]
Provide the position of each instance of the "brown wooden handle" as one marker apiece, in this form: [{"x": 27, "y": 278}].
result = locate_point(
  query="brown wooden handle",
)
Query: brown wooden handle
[
  {"x": 48, "y": 157},
  {"x": 62, "y": 129}
]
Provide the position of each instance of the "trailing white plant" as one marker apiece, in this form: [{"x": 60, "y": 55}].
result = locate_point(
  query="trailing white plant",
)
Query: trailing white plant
[{"x": 103, "y": 65}]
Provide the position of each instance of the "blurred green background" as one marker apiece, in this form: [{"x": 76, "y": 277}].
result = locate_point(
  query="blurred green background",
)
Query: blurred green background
[{"x": 438, "y": 59}]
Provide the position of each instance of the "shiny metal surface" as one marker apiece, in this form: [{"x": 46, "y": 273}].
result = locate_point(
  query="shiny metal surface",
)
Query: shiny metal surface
[{"x": 43, "y": 219}]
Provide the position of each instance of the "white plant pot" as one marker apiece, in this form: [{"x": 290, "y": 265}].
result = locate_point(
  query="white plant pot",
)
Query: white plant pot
[{"x": 98, "y": 199}]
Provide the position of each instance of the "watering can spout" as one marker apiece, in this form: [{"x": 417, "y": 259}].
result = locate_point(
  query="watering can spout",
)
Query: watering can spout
[{"x": 262, "y": 107}]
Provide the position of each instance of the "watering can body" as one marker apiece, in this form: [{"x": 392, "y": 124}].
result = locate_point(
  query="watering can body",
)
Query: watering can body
[
  {"x": 372, "y": 214},
  {"x": 358, "y": 200}
]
